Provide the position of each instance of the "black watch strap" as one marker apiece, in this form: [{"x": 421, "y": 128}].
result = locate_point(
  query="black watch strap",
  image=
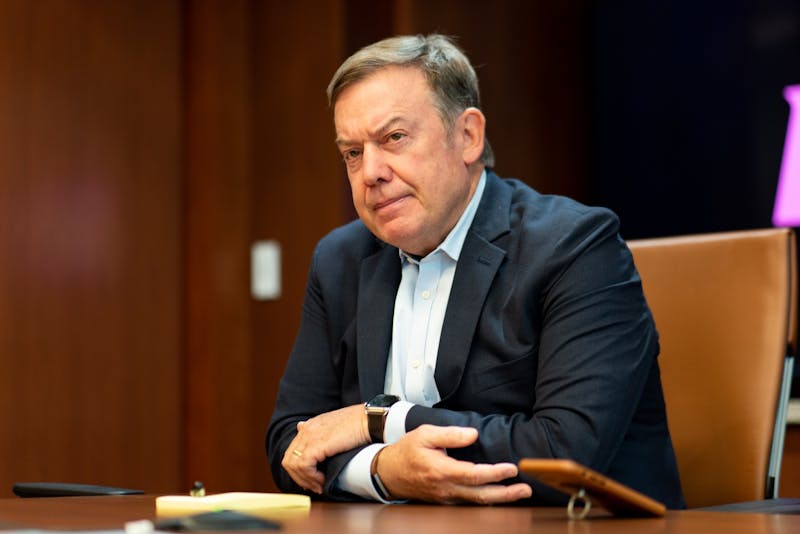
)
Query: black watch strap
[
  {"x": 376, "y": 423},
  {"x": 377, "y": 409}
]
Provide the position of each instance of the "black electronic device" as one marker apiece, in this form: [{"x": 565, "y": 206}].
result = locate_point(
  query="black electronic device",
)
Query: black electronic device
[{"x": 66, "y": 489}]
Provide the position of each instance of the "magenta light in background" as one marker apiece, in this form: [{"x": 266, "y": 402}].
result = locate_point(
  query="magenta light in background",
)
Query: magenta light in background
[{"x": 787, "y": 198}]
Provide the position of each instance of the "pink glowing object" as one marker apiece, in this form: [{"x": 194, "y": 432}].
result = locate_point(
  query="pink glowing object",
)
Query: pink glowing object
[{"x": 787, "y": 197}]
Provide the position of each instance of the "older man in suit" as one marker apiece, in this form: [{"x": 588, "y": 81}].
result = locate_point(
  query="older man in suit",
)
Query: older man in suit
[{"x": 464, "y": 321}]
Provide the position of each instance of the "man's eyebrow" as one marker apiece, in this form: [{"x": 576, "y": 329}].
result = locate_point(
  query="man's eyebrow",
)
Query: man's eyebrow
[
  {"x": 378, "y": 132},
  {"x": 342, "y": 142}
]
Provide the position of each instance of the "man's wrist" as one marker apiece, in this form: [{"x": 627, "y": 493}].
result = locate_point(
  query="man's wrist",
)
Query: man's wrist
[
  {"x": 354, "y": 477},
  {"x": 377, "y": 481}
]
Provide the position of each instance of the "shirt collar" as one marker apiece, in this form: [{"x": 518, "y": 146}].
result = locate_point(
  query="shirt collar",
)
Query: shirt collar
[{"x": 454, "y": 241}]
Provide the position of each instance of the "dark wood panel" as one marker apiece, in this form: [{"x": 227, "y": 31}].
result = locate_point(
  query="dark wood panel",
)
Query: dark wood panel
[
  {"x": 790, "y": 469},
  {"x": 90, "y": 242},
  {"x": 219, "y": 407}
]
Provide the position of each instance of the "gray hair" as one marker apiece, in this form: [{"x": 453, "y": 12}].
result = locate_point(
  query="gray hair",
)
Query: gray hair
[{"x": 445, "y": 66}]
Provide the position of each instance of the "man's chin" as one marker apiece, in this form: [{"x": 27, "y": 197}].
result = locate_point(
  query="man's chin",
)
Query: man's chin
[{"x": 402, "y": 239}]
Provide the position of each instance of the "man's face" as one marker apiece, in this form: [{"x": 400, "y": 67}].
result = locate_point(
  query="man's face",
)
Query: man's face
[{"x": 410, "y": 178}]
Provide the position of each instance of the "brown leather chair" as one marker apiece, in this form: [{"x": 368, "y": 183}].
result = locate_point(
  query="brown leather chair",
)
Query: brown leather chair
[{"x": 724, "y": 306}]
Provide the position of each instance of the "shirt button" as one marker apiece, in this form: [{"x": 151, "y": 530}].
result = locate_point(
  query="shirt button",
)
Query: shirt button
[
  {"x": 426, "y": 294},
  {"x": 415, "y": 364}
]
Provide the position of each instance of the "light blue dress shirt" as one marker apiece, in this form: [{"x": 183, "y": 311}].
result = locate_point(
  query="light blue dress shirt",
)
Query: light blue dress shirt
[{"x": 419, "y": 311}]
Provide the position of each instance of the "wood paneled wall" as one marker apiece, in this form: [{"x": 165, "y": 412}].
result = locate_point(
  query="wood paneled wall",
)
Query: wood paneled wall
[
  {"x": 219, "y": 173},
  {"x": 144, "y": 146},
  {"x": 90, "y": 242}
]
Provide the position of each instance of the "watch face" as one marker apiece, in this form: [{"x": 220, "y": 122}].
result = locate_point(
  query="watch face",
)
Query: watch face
[{"x": 382, "y": 401}]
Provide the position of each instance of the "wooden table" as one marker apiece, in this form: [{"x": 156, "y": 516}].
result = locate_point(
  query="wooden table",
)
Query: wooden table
[{"x": 72, "y": 513}]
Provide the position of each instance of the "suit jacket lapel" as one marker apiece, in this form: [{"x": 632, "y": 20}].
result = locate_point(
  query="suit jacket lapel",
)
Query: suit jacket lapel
[
  {"x": 377, "y": 289},
  {"x": 477, "y": 266}
]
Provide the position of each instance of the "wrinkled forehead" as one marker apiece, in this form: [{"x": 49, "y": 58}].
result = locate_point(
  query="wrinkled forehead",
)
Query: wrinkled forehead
[{"x": 389, "y": 91}]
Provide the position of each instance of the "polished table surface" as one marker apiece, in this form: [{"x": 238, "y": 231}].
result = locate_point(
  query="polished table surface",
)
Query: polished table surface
[{"x": 85, "y": 513}]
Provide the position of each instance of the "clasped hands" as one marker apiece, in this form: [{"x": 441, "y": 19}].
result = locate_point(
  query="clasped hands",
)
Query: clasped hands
[{"x": 417, "y": 467}]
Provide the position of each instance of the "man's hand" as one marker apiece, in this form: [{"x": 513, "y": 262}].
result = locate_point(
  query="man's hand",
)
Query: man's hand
[
  {"x": 417, "y": 467},
  {"x": 321, "y": 437}
]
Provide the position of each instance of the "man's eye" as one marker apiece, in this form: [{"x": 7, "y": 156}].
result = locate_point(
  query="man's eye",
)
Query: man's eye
[
  {"x": 350, "y": 155},
  {"x": 396, "y": 136}
]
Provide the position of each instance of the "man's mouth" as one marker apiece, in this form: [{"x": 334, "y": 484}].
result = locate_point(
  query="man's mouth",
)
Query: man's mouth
[{"x": 388, "y": 202}]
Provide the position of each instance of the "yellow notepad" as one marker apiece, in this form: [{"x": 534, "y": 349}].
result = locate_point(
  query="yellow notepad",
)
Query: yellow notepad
[{"x": 268, "y": 505}]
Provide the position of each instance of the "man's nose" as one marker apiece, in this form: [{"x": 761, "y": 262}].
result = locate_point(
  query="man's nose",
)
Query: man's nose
[{"x": 374, "y": 165}]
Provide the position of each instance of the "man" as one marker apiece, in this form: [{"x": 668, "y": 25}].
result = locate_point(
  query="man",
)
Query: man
[{"x": 480, "y": 321}]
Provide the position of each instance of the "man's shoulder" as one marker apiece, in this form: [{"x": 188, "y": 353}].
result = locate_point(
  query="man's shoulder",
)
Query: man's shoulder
[
  {"x": 550, "y": 215},
  {"x": 523, "y": 194}
]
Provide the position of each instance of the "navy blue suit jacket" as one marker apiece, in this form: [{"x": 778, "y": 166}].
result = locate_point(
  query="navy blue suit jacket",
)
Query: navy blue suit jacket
[{"x": 548, "y": 347}]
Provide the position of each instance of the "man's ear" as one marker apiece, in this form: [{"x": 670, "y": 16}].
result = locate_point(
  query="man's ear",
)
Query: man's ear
[{"x": 472, "y": 129}]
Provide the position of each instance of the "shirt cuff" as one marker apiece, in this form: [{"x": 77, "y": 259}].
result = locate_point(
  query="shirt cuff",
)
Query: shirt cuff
[
  {"x": 395, "y": 426},
  {"x": 355, "y": 477}
]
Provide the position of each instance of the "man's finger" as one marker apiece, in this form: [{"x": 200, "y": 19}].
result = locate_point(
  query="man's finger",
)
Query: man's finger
[
  {"x": 469, "y": 474},
  {"x": 446, "y": 437},
  {"x": 306, "y": 475},
  {"x": 494, "y": 493},
  {"x": 311, "y": 481}
]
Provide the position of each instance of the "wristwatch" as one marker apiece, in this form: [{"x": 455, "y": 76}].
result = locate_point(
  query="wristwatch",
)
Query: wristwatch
[{"x": 377, "y": 409}]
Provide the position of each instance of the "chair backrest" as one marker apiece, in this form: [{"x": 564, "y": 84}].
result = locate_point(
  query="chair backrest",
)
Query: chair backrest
[{"x": 724, "y": 306}]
